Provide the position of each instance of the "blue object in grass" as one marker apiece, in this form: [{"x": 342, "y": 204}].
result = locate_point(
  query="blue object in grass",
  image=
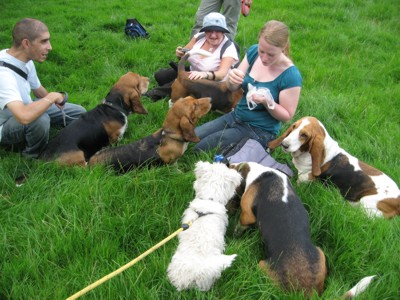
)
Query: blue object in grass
[{"x": 218, "y": 158}]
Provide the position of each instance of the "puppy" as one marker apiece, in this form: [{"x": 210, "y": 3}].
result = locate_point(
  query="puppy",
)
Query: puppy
[
  {"x": 223, "y": 99},
  {"x": 164, "y": 146},
  {"x": 97, "y": 128},
  {"x": 269, "y": 200},
  {"x": 316, "y": 155},
  {"x": 199, "y": 259}
]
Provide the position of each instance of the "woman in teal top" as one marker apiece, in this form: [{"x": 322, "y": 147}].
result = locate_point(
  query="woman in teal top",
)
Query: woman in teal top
[{"x": 271, "y": 85}]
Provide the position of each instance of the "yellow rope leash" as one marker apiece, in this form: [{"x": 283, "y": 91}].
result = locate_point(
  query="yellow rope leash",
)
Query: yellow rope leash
[{"x": 128, "y": 265}]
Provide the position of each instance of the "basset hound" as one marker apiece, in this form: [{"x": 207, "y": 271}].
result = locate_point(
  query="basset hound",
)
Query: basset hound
[
  {"x": 269, "y": 200},
  {"x": 292, "y": 261},
  {"x": 97, "y": 128},
  {"x": 316, "y": 155},
  {"x": 165, "y": 145},
  {"x": 223, "y": 99}
]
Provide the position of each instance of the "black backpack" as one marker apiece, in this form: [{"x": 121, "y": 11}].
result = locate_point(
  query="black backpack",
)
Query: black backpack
[{"x": 134, "y": 29}]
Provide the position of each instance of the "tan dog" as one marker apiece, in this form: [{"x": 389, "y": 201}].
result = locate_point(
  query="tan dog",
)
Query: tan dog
[
  {"x": 222, "y": 98},
  {"x": 316, "y": 155},
  {"x": 97, "y": 128},
  {"x": 164, "y": 146}
]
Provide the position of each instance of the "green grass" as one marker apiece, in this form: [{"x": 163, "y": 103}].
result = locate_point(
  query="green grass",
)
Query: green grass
[{"x": 68, "y": 227}]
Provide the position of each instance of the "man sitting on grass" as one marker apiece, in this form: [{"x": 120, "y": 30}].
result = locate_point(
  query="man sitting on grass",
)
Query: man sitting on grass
[{"x": 24, "y": 121}]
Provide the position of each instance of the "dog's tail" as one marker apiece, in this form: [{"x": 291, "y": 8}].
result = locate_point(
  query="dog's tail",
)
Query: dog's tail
[
  {"x": 360, "y": 287},
  {"x": 182, "y": 61}
]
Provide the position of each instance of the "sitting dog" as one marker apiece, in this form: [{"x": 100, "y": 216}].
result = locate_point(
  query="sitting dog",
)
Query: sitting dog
[
  {"x": 199, "y": 259},
  {"x": 223, "y": 99},
  {"x": 97, "y": 128},
  {"x": 164, "y": 146},
  {"x": 316, "y": 155},
  {"x": 270, "y": 201}
]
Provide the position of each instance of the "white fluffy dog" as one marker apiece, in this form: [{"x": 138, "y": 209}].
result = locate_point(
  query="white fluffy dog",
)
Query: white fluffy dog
[{"x": 199, "y": 259}]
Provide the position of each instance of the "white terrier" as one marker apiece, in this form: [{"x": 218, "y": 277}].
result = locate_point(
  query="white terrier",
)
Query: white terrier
[{"x": 199, "y": 259}]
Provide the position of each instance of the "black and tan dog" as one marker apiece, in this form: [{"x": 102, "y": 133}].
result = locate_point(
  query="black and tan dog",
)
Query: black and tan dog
[
  {"x": 269, "y": 200},
  {"x": 97, "y": 128},
  {"x": 223, "y": 99},
  {"x": 165, "y": 145},
  {"x": 292, "y": 261}
]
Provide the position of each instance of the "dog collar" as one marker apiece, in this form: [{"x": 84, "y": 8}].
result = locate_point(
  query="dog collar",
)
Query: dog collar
[
  {"x": 123, "y": 110},
  {"x": 203, "y": 214}
]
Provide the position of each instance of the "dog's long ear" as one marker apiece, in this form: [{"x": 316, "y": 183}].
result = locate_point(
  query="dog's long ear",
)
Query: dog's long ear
[
  {"x": 135, "y": 102},
  {"x": 187, "y": 128},
  {"x": 130, "y": 87},
  {"x": 317, "y": 151},
  {"x": 277, "y": 142}
]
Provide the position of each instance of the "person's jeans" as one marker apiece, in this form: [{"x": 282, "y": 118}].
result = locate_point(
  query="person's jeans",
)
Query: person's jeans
[
  {"x": 35, "y": 135},
  {"x": 227, "y": 131}
]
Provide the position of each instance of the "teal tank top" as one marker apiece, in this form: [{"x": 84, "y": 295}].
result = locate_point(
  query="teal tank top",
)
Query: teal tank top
[{"x": 259, "y": 116}]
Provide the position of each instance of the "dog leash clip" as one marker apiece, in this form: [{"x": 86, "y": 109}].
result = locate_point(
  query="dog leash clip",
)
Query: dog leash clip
[
  {"x": 62, "y": 107},
  {"x": 185, "y": 226}
]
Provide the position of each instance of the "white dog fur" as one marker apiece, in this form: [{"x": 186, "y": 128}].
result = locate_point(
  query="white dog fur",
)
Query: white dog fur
[{"x": 199, "y": 260}]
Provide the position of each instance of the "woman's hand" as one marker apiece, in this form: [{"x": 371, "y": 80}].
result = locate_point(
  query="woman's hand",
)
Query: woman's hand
[
  {"x": 264, "y": 97},
  {"x": 235, "y": 77},
  {"x": 194, "y": 75},
  {"x": 178, "y": 52}
]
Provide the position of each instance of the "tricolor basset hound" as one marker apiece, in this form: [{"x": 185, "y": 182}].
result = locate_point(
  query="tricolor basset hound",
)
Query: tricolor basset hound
[
  {"x": 291, "y": 259},
  {"x": 223, "y": 100},
  {"x": 164, "y": 146},
  {"x": 316, "y": 155},
  {"x": 269, "y": 200},
  {"x": 97, "y": 128}
]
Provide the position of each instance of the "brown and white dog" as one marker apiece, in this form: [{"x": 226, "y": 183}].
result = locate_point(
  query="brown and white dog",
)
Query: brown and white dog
[
  {"x": 316, "y": 155},
  {"x": 97, "y": 128},
  {"x": 269, "y": 200},
  {"x": 223, "y": 99},
  {"x": 164, "y": 146}
]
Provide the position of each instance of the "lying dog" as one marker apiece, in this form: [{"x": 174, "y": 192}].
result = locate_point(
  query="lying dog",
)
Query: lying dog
[
  {"x": 270, "y": 201},
  {"x": 316, "y": 155},
  {"x": 164, "y": 146},
  {"x": 222, "y": 98},
  {"x": 97, "y": 128},
  {"x": 199, "y": 259}
]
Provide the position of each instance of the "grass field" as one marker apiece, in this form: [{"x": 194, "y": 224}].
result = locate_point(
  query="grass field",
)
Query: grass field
[{"x": 68, "y": 227}]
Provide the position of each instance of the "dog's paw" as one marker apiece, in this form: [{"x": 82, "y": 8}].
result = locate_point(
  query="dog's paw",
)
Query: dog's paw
[
  {"x": 304, "y": 177},
  {"x": 239, "y": 229}
]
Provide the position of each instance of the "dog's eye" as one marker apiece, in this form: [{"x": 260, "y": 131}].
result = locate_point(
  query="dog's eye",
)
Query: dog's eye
[{"x": 303, "y": 136}]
